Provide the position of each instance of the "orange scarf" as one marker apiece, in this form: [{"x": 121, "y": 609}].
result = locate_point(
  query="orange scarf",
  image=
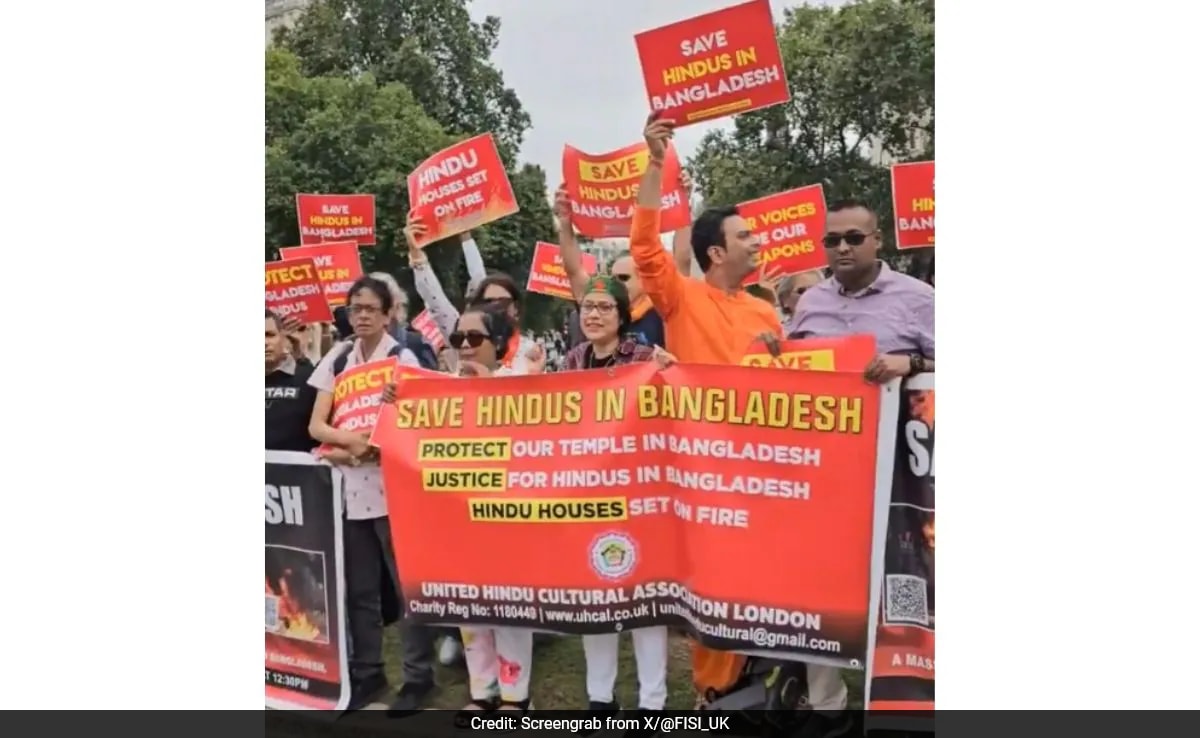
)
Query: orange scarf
[
  {"x": 510, "y": 354},
  {"x": 640, "y": 307}
]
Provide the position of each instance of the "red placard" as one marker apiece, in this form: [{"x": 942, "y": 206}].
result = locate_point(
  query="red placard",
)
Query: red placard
[
  {"x": 428, "y": 329},
  {"x": 337, "y": 264},
  {"x": 789, "y": 227},
  {"x": 294, "y": 288},
  {"x": 460, "y": 188},
  {"x": 713, "y": 65},
  {"x": 548, "y": 276},
  {"x": 325, "y": 218},
  {"x": 841, "y": 354},
  {"x": 603, "y": 190},
  {"x": 912, "y": 201}
]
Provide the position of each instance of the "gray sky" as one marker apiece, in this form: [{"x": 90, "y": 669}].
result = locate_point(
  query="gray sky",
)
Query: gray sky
[{"x": 575, "y": 67}]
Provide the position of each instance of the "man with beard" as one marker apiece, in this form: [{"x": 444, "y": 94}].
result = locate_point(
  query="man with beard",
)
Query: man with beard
[{"x": 710, "y": 320}]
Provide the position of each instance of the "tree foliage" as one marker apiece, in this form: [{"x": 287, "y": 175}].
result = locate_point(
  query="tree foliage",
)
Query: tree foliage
[
  {"x": 861, "y": 77},
  {"x": 340, "y": 135},
  {"x": 373, "y": 68}
]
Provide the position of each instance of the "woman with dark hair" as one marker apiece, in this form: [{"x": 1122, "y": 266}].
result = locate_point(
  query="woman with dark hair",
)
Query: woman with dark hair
[
  {"x": 605, "y": 319},
  {"x": 524, "y": 355},
  {"x": 366, "y": 533},
  {"x": 498, "y": 659}
]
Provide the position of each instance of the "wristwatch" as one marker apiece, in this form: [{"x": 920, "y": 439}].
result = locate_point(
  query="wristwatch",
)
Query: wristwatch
[{"x": 916, "y": 364}]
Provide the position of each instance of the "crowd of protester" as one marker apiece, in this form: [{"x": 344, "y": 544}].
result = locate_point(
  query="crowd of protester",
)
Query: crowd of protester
[{"x": 643, "y": 306}]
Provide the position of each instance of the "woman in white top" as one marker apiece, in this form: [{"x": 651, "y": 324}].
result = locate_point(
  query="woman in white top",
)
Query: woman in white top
[{"x": 494, "y": 289}]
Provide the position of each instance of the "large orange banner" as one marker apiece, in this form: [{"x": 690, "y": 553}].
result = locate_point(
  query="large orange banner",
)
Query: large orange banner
[
  {"x": 461, "y": 187},
  {"x": 736, "y": 502},
  {"x": 789, "y": 227},
  {"x": 548, "y": 276},
  {"x": 603, "y": 190}
]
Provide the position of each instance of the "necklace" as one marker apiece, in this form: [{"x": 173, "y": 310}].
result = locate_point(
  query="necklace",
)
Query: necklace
[{"x": 594, "y": 363}]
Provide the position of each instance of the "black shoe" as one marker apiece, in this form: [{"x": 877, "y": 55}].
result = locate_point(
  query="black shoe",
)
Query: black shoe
[
  {"x": 410, "y": 698},
  {"x": 364, "y": 691},
  {"x": 483, "y": 708},
  {"x": 599, "y": 709}
]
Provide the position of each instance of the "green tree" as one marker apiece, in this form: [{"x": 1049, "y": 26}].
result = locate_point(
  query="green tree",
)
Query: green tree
[
  {"x": 336, "y": 134},
  {"x": 433, "y": 49},
  {"x": 861, "y": 77}
]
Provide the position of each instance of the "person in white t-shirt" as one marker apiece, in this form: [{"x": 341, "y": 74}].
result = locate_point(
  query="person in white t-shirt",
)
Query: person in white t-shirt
[{"x": 366, "y": 535}]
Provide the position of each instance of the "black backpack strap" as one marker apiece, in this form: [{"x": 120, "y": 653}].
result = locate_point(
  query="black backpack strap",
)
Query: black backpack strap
[{"x": 340, "y": 361}]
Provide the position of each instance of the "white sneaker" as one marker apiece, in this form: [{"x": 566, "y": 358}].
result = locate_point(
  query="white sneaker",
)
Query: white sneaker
[{"x": 450, "y": 652}]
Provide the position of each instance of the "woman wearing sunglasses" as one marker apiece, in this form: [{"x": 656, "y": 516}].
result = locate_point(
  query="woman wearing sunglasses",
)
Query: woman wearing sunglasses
[
  {"x": 605, "y": 318},
  {"x": 499, "y": 660},
  {"x": 524, "y": 356}
]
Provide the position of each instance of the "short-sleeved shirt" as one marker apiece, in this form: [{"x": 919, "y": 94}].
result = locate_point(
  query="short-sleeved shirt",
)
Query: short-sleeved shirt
[
  {"x": 362, "y": 485},
  {"x": 897, "y": 309},
  {"x": 289, "y": 404}
]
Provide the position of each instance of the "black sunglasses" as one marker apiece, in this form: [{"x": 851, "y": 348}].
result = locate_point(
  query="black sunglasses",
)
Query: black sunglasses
[
  {"x": 623, "y": 277},
  {"x": 854, "y": 238},
  {"x": 474, "y": 339}
]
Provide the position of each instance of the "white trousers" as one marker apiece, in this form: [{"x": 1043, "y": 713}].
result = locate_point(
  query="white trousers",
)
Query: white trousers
[
  {"x": 650, "y": 653},
  {"x": 826, "y": 688},
  {"x": 498, "y": 662}
]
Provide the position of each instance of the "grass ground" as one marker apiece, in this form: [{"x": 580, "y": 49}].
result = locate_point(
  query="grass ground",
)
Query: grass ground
[{"x": 559, "y": 678}]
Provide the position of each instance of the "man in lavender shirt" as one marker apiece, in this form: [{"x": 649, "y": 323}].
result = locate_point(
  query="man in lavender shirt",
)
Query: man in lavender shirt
[{"x": 865, "y": 295}]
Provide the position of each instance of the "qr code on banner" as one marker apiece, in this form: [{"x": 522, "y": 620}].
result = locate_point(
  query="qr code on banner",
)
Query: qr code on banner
[
  {"x": 272, "y": 612},
  {"x": 905, "y": 600}
]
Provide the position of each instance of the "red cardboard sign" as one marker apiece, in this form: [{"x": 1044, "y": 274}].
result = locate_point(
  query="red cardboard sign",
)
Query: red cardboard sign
[
  {"x": 912, "y": 202},
  {"x": 460, "y": 188},
  {"x": 294, "y": 288},
  {"x": 326, "y": 218},
  {"x": 548, "y": 276},
  {"x": 713, "y": 65},
  {"x": 841, "y": 354},
  {"x": 603, "y": 190},
  {"x": 337, "y": 265},
  {"x": 428, "y": 329},
  {"x": 789, "y": 227}
]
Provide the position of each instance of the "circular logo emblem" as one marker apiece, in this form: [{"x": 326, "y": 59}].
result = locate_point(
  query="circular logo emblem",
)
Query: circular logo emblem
[{"x": 613, "y": 555}]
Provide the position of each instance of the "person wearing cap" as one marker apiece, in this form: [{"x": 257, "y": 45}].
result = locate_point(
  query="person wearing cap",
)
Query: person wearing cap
[{"x": 605, "y": 319}]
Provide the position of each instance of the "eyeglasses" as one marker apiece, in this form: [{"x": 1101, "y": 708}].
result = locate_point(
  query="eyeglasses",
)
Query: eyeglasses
[
  {"x": 474, "y": 339},
  {"x": 498, "y": 301},
  {"x": 601, "y": 308},
  {"x": 364, "y": 309},
  {"x": 852, "y": 238},
  {"x": 623, "y": 277}
]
